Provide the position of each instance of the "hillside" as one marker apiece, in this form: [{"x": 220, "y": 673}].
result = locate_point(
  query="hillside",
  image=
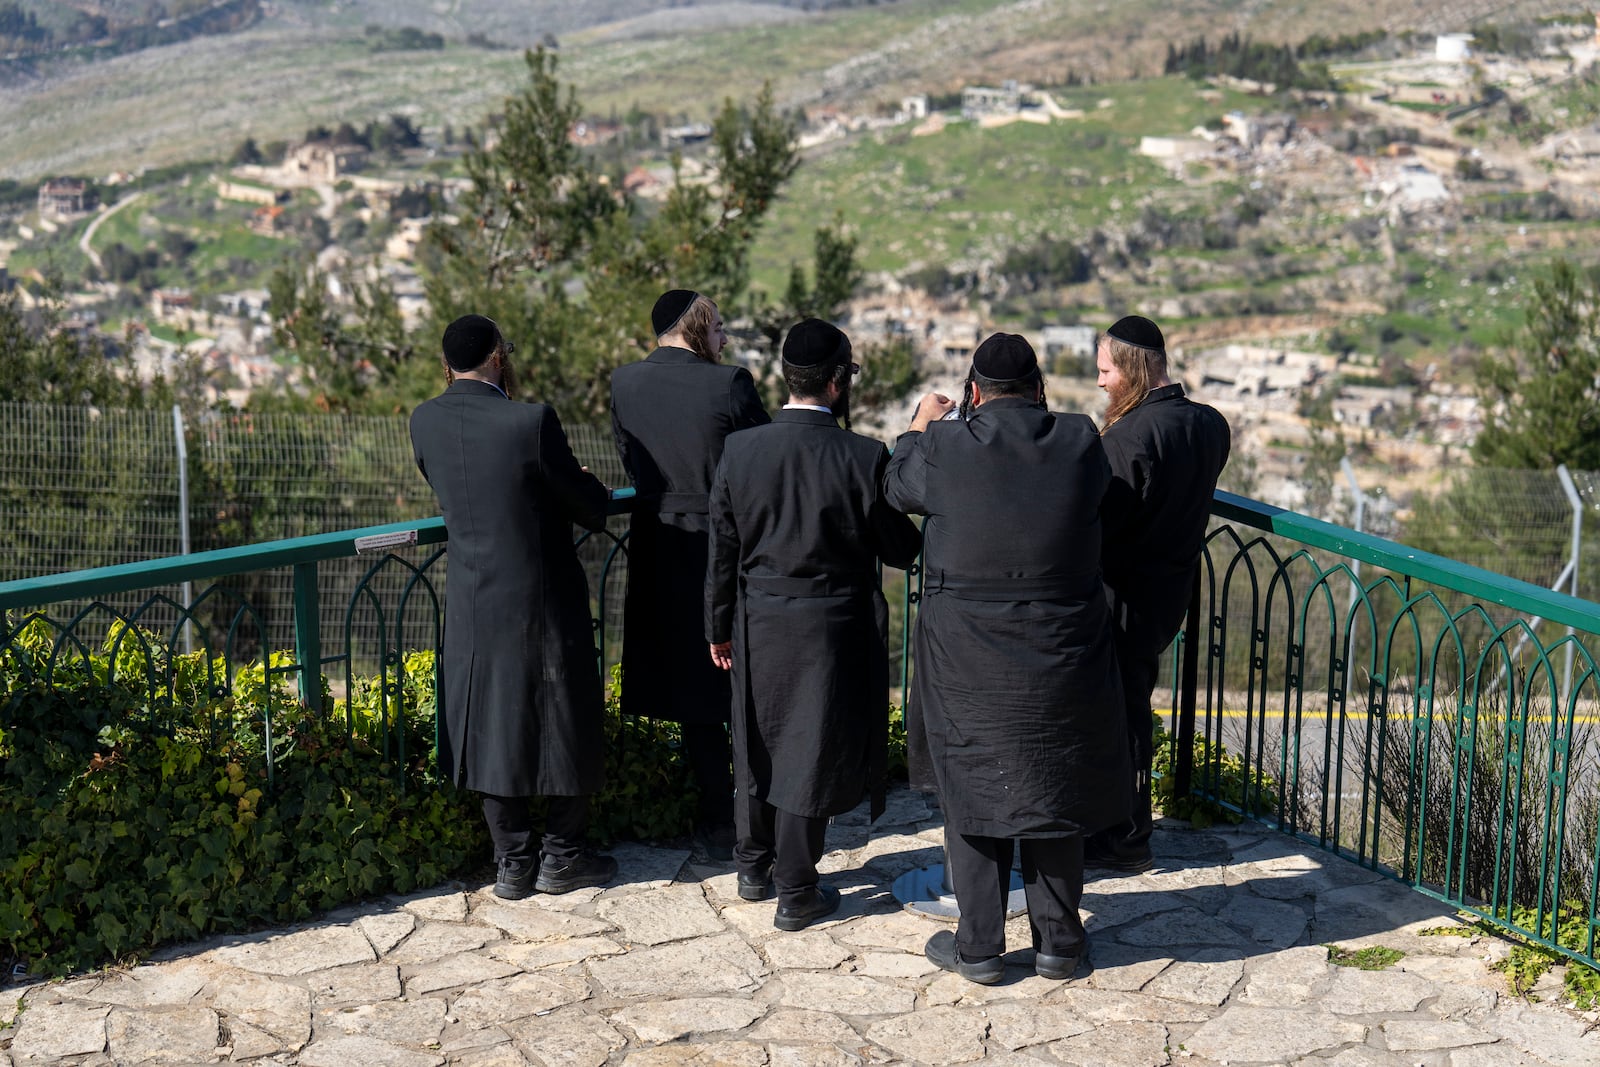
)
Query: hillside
[{"x": 311, "y": 62}]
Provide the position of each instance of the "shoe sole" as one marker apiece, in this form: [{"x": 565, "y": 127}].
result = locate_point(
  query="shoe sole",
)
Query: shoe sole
[
  {"x": 555, "y": 889},
  {"x": 755, "y": 893}
]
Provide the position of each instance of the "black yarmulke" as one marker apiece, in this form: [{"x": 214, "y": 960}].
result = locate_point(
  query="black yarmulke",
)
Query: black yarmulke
[
  {"x": 469, "y": 341},
  {"x": 813, "y": 343},
  {"x": 1140, "y": 332},
  {"x": 1005, "y": 357},
  {"x": 670, "y": 307}
]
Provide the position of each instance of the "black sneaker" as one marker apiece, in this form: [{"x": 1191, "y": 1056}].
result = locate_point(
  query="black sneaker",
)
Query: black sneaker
[
  {"x": 586, "y": 870},
  {"x": 515, "y": 880},
  {"x": 824, "y": 902},
  {"x": 755, "y": 885},
  {"x": 941, "y": 949},
  {"x": 715, "y": 840}
]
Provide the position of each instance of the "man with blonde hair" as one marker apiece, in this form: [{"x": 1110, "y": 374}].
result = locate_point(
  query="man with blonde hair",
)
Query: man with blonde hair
[
  {"x": 1166, "y": 452},
  {"x": 671, "y": 413}
]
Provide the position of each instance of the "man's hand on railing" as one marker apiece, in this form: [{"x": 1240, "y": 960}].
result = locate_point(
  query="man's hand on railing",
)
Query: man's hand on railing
[{"x": 722, "y": 655}]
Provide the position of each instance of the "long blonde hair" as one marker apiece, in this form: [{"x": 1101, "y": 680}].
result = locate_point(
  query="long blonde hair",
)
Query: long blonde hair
[
  {"x": 1139, "y": 367},
  {"x": 695, "y": 326}
]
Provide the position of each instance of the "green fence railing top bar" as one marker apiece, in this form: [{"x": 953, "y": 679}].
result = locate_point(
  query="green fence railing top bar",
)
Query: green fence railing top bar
[
  {"x": 171, "y": 570},
  {"x": 1522, "y": 597}
]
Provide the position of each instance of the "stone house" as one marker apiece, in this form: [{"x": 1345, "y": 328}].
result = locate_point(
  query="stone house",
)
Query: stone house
[{"x": 65, "y": 198}]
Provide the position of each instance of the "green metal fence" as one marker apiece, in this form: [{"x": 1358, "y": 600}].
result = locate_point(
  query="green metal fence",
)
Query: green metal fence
[{"x": 1411, "y": 713}]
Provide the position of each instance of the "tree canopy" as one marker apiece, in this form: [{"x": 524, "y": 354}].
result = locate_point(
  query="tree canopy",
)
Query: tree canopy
[
  {"x": 1541, "y": 394},
  {"x": 566, "y": 262}
]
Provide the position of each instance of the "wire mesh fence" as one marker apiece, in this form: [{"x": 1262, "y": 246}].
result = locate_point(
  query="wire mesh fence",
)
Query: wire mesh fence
[{"x": 83, "y": 488}]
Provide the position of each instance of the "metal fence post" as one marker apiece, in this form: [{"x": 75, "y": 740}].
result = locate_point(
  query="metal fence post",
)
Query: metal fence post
[
  {"x": 1572, "y": 564},
  {"x": 1189, "y": 685},
  {"x": 183, "y": 519},
  {"x": 308, "y": 635}
]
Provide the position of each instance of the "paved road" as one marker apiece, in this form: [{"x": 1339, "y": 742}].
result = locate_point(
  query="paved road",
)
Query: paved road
[
  {"x": 86, "y": 242},
  {"x": 1214, "y": 957}
]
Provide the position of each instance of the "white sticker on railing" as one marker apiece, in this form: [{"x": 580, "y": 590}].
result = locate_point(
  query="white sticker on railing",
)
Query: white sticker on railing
[{"x": 379, "y": 542}]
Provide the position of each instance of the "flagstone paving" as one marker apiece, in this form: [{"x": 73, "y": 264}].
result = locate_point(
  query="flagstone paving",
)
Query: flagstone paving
[{"x": 1215, "y": 957}]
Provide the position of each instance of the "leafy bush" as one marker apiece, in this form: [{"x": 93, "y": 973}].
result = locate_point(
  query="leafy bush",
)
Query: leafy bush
[
  {"x": 1231, "y": 790},
  {"x": 144, "y": 798}
]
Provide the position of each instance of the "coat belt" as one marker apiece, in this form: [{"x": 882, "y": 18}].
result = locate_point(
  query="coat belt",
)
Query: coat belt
[
  {"x": 823, "y": 585},
  {"x": 1032, "y": 587}
]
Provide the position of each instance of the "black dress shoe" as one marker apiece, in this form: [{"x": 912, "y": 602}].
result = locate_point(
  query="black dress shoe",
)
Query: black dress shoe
[
  {"x": 715, "y": 840},
  {"x": 515, "y": 880},
  {"x": 755, "y": 885},
  {"x": 586, "y": 870},
  {"x": 1056, "y": 968},
  {"x": 824, "y": 902},
  {"x": 1121, "y": 863},
  {"x": 941, "y": 949}
]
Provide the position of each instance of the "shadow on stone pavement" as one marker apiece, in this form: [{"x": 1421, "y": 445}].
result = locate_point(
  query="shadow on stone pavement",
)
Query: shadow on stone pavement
[{"x": 1214, "y": 956}]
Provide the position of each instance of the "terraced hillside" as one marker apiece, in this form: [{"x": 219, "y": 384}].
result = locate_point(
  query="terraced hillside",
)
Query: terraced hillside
[{"x": 312, "y": 62}]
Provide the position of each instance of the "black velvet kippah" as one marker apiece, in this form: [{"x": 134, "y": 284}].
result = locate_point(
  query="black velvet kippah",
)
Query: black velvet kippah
[
  {"x": 814, "y": 343},
  {"x": 469, "y": 341},
  {"x": 670, "y": 307},
  {"x": 1140, "y": 332},
  {"x": 1004, "y": 357}
]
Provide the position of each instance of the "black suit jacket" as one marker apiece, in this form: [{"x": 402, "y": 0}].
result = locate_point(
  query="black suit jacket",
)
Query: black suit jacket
[
  {"x": 671, "y": 414},
  {"x": 798, "y": 527}
]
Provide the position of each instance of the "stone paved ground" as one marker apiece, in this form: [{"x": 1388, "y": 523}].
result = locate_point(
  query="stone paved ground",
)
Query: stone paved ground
[{"x": 1213, "y": 958}]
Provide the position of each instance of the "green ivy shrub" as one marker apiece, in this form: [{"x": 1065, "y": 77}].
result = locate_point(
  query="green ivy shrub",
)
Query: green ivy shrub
[
  {"x": 138, "y": 806},
  {"x": 1216, "y": 769}
]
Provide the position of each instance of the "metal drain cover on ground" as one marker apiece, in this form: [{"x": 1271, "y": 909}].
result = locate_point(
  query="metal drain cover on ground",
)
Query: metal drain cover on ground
[{"x": 924, "y": 892}]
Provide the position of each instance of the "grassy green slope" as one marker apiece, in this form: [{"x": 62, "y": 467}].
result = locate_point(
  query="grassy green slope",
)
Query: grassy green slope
[{"x": 968, "y": 193}]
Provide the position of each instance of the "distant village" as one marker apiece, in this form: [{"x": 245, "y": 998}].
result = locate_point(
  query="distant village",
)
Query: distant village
[{"x": 1262, "y": 386}]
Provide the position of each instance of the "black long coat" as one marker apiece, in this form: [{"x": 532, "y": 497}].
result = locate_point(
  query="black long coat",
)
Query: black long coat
[
  {"x": 798, "y": 527},
  {"x": 670, "y": 414},
  {"x": 522, "y": 698},
  {"x": 1165, "y": 457},
  {"x": 1015, "y": 711}
]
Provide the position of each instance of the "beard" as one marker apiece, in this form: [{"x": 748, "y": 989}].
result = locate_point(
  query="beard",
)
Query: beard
[
  {"x": 841, "y": 406},
  {"x": 1119, "y": 397}
]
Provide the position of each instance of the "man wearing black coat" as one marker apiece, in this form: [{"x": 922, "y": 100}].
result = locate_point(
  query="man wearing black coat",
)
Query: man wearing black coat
[
  {"x": 1166, "y": 452},
  {"x": 521, "y": 697},
  {"x": 1015, "y": 710},
  {"x": 670, "y": 414},
  {"x": 795, "y": 609}
]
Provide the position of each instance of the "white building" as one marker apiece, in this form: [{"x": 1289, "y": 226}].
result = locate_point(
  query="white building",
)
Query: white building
[{"x": 1453, "y": 47}]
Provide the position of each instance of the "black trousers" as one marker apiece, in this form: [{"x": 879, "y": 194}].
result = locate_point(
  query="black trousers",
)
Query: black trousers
[
  {"x": 1052, "y": 879},
  {"x": 1139, "y": 670},
  {"x": 791, "y": 843},
  {"x": 710, "y": 757},
  {"x": 511, "y": 827}
]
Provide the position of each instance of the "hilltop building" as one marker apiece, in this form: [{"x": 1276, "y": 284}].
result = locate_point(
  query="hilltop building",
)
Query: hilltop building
[
  {"x": 324, "y": 161},
  {"x": 978, "y": 101},
  {"x": 65, "y": 198},
  {"x": 247, "y": 192},
  {"x": 1453, "y": 47}
]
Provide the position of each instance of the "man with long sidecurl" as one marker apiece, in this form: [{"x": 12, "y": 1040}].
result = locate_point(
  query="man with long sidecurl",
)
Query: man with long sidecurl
[
  {"x": 1166, "y": 452},
  {"x": 671, "y": 413},
  {"x": 795, "y": 610}
]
